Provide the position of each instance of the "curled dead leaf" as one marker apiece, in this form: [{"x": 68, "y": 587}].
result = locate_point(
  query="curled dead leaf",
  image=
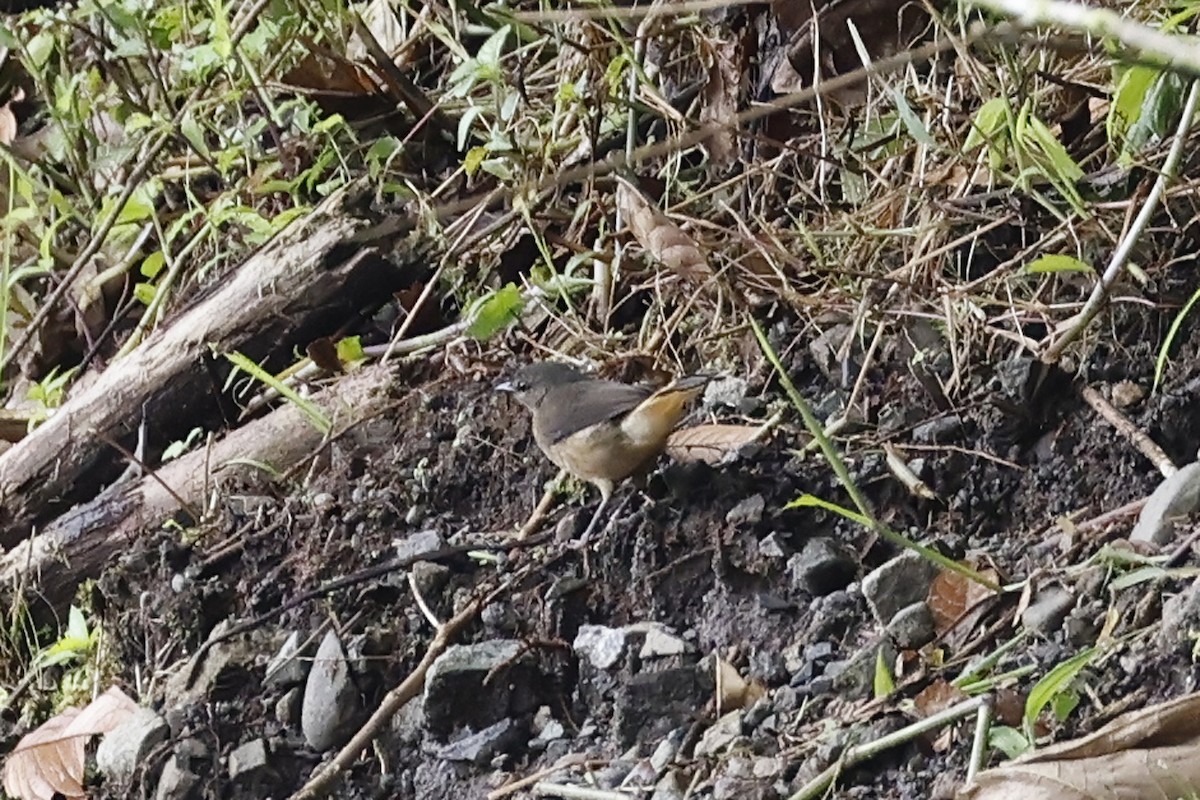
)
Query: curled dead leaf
[
  {"x": 734, "y": 691},
  {"x": 49, "y": 760},
  {"x": 951, "y": 596},
  {"x": 720, "y": 100},
  {"x": 1151, "y": 752},
  {"x": 665, "y": 241},
  {"x": 709, "y": 443}
]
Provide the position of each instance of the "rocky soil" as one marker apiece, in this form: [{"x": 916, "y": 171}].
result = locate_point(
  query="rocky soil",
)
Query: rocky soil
[{"x": 598, "y": 667}]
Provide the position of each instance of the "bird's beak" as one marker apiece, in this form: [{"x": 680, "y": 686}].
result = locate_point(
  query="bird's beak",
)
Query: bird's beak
[{"x": 504, "y": 386}]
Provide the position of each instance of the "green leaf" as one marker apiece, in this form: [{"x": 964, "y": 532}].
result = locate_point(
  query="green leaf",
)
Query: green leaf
[
  {"x": 1009, "y": 741},
  {"x": 144, "y": 292},
  {"x": 1160, "y": 363},
  {"x": 811, "y": 501},
  {"x": 1056, "y": 263},
  {"x": 1157, "y": 116},
  {"x": 153, "y": 264},
  {"x": 499, "y": 167},
  {"x": 1054, "y": 683},
  {"x": 912, "y": 123},
  {"x": 1065, "y": 168},
  {"x": 474, "y": 158},
  {"x": 75, "y": 643},
  {"x": 140, "y": 206},
  {"x": 1064, "y": 703},
  {"x": 491, "y": 51},
  {"x": 221, "y": 37},
  {"x": 383, "y": 149},
  {"x": 1127, "y": 101},
  {"x": 350, "y": 350},
  {"x": 189, "y": 126},
  {"x": 464, "y": 124},
  {"x": 990, "y": 120},
  {"x": 496, "y": 312},
  {"x": 330, "y": 123},
  {"x": 1134, "y": 577},
  {"x": 77, "y": 627},
  {"x": 884, "y": 684},
  {"x": 310, "y": 409}
]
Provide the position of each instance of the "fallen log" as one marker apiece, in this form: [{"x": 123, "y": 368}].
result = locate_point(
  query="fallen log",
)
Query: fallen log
[
  {"x": 301, "y": 284},
  {"x": 80, "y": 543}
]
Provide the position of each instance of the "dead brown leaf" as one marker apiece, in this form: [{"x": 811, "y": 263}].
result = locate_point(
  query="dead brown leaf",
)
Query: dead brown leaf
[
  {"x": 951, "y": 596},
  {"x": 8, "y": 120},
  {"x": 709, "y": 443},
  {"x": 50, "y": 759},
  {"x": 721, "y": 100},
  {"x": 334, "y": 82},
  {"x": 937, "y": 696},
  {"x": 1152, "y": 752},
  {"x": 734, "y": 691},
  {"x": 665, "y": 241}
]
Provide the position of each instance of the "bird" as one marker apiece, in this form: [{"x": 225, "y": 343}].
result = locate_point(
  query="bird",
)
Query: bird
[{"x": 600, "y": 431}]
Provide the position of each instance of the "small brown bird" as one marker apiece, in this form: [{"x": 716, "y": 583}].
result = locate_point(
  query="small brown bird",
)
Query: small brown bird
[{"x": 599, "y": 431}]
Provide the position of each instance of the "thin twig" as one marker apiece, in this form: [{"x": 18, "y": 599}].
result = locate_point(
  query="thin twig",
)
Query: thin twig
[
  {"x": 1119, "y": 258},
  {"x": 857, "y": 755},
  {"x": 1176, "y": 52},
  {"x": 321, "y": 783},
  {"x": 543, "y": 507},
  {"x": 1145, "y": 445}
]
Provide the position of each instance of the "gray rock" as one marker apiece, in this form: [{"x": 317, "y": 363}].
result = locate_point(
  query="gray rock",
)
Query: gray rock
[
  {"x": 213, "y": 663},
  {"x": 1050, "y": 606},
  {"x": 769, "y": 666},
  {"x": 176, "y": 783},
  {"x": 772, "y": 546},
  {"x": 650, "y": 703},
  {"x": 551, "y": 731},
  {"x": 642, "y": 774},
  {"x": 288, "y": 667},
  {"x": 330, "y": 697},
  {"x": 667, "y": 749},
  {"x": 729, "y": 392},
  {"x": 123, "y": 749},
  {"x": 600, "y": 645},
  {"x": 1177, "y": 496},
  {"x": 660, "y": 642},
  {"x": 287, "y": 707},
  {"x": 897, "y": 584},
  {"x": 748, "y": 511},
  {"x": 822, "y": 567},
  {"x": 430, "y": 578},
  {"x": 856, "y": 676},
  {"x": 421, "y": 543},
  {"x": 1181, "y": 617},
  {"x": 480, "y": 748},
  {"x": 938, "y": 430},
  {"x": 672, "y": 786},
  {"x": 456, "y": 695},
  {"x": 720, "y": 735},
  {"x": 248, "y": 762},
  {"x": 766, "y": 767},
  {"x": 615, "y": 773},
  {"x": 912, "y": 626}
]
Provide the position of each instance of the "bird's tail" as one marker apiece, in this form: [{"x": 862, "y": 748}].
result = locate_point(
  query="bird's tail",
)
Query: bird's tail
[{"x": 655, "y": 418}]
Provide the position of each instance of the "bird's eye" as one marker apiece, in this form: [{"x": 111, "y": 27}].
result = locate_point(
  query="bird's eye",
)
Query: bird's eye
[{"x": 521, "y": 386}]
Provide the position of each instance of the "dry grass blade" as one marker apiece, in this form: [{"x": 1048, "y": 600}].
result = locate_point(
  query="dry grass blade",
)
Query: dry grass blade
[
  {"x": 665, "y": 241},
  {"x": 709, "y": 443},
  {"x": 49, "y": 760}
]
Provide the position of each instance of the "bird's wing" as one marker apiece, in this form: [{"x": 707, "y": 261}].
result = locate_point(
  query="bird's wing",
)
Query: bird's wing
[{"x": 570, "y": 408}]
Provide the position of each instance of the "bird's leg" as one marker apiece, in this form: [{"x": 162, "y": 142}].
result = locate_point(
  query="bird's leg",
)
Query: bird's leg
[{"x": 583, "y": 540}]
